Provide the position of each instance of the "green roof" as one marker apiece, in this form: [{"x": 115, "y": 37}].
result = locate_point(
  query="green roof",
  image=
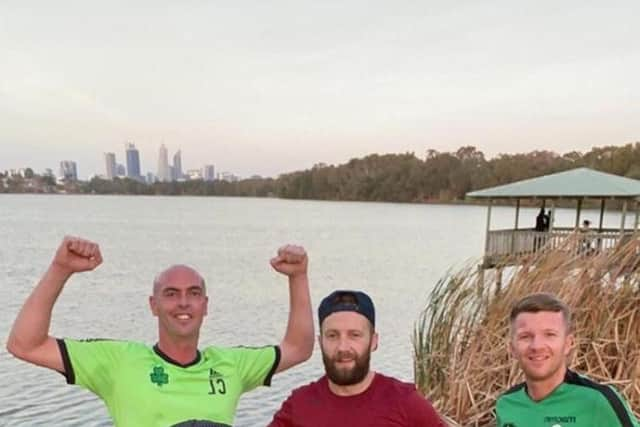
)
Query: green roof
[{"x": 575, "y": 183}]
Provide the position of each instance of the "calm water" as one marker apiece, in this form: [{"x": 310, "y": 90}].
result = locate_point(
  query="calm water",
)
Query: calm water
[{"x": 396, "y": 252}]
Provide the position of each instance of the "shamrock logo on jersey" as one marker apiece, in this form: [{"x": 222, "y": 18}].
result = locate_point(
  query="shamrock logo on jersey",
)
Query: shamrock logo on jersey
[{"x": 158, "y": 376}]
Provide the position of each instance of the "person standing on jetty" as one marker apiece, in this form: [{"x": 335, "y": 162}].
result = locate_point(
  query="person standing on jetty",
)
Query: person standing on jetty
[
  {"x": 553, "y": 395},
  {"x": 541, "y": 221},
  {"x": 350, "y": 394},
  {"x": 172, "y": 383},
  {"x": 542, "y": 225}
]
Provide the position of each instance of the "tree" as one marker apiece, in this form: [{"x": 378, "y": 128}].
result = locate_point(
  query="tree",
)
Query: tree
[{"x": 48, "y": 180}]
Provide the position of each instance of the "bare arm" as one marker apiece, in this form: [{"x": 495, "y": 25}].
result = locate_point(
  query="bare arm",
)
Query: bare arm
[
  {"x": 29, "y": 339},
  {"x": 297, "y": 344}
]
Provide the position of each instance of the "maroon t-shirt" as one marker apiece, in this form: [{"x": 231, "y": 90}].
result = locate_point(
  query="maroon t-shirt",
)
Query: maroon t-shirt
[{"x": 386, "y": 403}]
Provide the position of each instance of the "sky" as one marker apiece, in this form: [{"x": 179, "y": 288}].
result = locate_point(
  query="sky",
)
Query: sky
[{"x": 268, "y": 87}]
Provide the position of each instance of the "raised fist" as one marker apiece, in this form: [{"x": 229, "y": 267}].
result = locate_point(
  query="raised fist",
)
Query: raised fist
[
  {"x": 291, "y": 261},
  {"x": 76, "y": 255}
]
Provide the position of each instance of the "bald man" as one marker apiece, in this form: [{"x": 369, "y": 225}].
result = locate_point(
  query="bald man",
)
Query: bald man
[{"x": 172, "y": 383}]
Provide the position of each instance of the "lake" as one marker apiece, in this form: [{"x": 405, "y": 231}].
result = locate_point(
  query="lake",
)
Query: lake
[{"x": 395, "y": 252}]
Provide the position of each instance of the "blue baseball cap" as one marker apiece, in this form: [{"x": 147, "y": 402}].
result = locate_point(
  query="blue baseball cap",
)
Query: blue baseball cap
[{"x": 347, "y": 300}]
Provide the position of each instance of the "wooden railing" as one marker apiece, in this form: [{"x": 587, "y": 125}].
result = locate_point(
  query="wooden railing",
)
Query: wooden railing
[{"x": 505, "y": 244}]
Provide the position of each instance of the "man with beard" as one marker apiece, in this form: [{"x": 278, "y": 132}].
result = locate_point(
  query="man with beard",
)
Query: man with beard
[
  {"x": 552, "y": 395},
  {"x": 350, "y": 394}
]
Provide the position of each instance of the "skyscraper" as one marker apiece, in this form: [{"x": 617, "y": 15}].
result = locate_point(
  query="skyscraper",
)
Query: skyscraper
[
  {"x": 177, "y": 166},
  {"x": 68, "y": 170},
  {"x": 163, "y": 165},
  {"x": 208, "y": 173},
  {"x": 110, "y": 165},
  {"x": 133, "y": 161}
]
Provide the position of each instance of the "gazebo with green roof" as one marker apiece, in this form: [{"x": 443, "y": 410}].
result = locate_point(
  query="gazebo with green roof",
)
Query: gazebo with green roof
[{"x": 579, "y": 184}]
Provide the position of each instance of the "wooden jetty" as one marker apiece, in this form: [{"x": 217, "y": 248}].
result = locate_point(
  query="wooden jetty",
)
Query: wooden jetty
[{"x": 510, "y": 246}]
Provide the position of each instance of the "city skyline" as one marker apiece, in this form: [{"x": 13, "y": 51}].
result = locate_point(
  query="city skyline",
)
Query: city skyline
[
  {"x": 269, "y": 89},
  {"x": 111, "y": 169}
]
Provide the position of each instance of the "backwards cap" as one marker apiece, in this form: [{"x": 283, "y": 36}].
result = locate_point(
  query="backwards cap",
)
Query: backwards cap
[{"x": 346, "y": 300}]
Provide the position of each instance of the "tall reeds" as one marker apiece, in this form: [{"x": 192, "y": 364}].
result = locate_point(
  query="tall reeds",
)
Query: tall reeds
[{"x": 461, "y": 359}]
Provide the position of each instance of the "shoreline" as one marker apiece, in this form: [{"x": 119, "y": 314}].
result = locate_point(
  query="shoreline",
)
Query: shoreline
[{"x": 588, "y": 203}]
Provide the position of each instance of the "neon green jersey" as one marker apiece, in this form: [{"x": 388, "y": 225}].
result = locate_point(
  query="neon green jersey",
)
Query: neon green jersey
[
  {"x": 141, "y": 386},
  {"x": 577, "y": 402}
]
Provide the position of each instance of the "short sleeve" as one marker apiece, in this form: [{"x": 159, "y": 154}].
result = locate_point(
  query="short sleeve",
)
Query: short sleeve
[
  {"x": 283, "y": 418},
  {"x": 256, "y": 365},
  {"x": 497, "y": 413},
  {"x": 89, "y": 363},
  {"x": 421, "y": 413},
  {"x": 615, "y": 411}
]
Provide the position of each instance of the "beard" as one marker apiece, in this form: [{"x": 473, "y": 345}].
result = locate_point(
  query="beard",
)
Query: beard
[{"x": 347, "y": 376}]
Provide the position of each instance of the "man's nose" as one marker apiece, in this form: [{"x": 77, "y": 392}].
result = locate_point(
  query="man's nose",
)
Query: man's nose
[
  {"x": 536, "y": 342},
  {"x": 343, "y": 344},
  {"x": 184, "y": 300}
]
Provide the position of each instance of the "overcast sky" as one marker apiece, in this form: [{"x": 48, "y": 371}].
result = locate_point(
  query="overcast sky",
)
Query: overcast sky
[{"x": 264, "y": 87}]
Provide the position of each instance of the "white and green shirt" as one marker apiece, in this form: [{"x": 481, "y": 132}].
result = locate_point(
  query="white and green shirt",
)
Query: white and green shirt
[{"x": 141, "y": 386}]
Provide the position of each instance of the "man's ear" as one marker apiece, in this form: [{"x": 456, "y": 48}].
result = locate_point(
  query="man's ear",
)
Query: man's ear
[
  {"x": 374, "y": 342},
  {"x": 511, "y": 350},
  {"x": 569, "y": 344},
  {"x": 152, "y": 306}
]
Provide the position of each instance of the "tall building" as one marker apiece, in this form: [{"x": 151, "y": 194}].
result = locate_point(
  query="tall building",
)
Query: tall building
[
  {"x": 163, "y": 165},
  {"x": 68, "y": 171},
  {"x": 208, "y": 173},
  {"x": 177, "y": 166},
  {"x": 110, "y": 165},
  {"x": 133, "y": 161},
  {"x": 120, "y": 170}
]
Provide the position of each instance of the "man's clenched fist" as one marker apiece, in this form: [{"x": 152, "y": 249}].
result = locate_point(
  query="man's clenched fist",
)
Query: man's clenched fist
[
  {"x": 291, "y": 260},
  {"x": 76, "y": 255}
]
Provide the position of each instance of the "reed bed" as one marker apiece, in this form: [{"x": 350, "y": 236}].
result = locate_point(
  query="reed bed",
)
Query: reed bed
[{"x": 460, "y": 339}]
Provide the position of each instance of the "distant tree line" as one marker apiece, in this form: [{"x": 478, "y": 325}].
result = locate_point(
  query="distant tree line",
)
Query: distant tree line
[
  {"x": 444, "y": 176},
  {"x": 263, "y": 187},
  {"x": 436, "y": 177}
]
